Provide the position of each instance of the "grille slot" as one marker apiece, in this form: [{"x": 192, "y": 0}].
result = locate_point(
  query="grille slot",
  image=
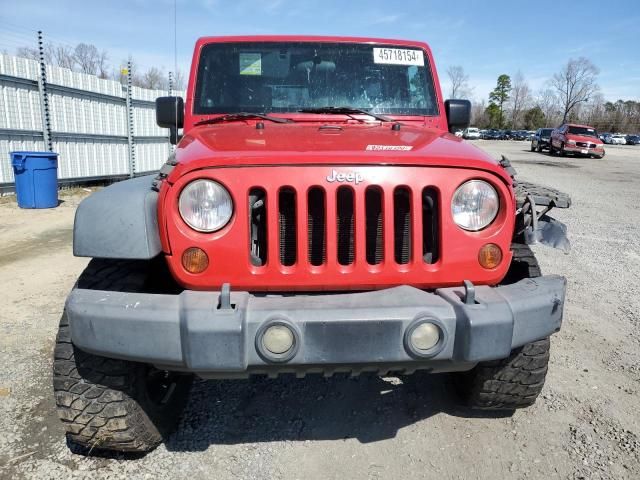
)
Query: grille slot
[
  {"x": 430, "y": 225},
  {"x": 402, "y": 225},
  {"x": 302, "y": 231},
  {"x": 257, "y": 227},
  {"x": 345, "y": 232},
  {"x": 316, "y": 226},
  {"x": 374, "y": 226},
  {"x": 287, "y": 226}
]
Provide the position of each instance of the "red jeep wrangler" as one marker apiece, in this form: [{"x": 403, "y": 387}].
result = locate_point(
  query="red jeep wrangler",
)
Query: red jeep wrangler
[
  {"x": 317, "y": 217},
  {"x": 576, "y": 139}
]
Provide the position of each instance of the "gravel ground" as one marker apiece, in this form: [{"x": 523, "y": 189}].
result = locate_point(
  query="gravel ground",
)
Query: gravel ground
[{"x": 586, "y": 425}]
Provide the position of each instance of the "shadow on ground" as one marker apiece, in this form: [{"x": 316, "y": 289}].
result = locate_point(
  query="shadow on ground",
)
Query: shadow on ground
[{"x": 367, "y": 408}]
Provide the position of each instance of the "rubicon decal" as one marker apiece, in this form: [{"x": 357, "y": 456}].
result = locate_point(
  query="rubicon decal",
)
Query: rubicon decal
[{"x": 349, "y": 177}]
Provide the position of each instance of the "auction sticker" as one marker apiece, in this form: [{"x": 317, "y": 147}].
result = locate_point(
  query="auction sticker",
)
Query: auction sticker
[
  {"x": 250, "y": 64},
  {"x": 398, "y": 56},
  {"x": 397, "y": 148}
]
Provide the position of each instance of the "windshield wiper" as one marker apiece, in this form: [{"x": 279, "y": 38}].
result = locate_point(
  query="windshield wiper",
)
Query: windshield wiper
[
  {"x": 230, "y": 117},
  {"x": 346, "y": 111}
]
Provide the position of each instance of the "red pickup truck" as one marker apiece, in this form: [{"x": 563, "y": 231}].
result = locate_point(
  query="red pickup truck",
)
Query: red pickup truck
[
  {"x": 317, "y": 217},
  {"x": 576, "y": 139}
]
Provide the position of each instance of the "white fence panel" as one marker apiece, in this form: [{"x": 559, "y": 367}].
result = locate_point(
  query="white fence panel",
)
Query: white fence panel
[
  {"x": 151, "y": 155},
  {"x": 88, "y": 121},
  {"x": 91, "y": 158},
  {"x": 15, "y": 143},
  {"x": 19, "y": 107},
  {"x": 18, "y": 67},
  {"x": 81, "y": 114}
]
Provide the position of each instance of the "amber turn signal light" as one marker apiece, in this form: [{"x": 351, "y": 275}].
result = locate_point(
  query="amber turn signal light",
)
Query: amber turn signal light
[
  {"x": 490, "y": 256},
  {"x": 195, "y": 260}
]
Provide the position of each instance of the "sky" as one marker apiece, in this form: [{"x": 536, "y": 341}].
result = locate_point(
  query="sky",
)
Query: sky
[{"x": 486, "y": 38}]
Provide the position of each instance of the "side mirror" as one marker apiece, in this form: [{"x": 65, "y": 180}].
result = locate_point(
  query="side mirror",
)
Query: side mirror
[
  {"x": 458, "y": 114},
  {"x": 170, "y": 114}
]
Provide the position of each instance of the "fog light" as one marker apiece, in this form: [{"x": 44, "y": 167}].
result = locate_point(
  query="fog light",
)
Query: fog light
[
  {"x": 278, "y": 339},
  {"x": 195, "y": 260},
  {"x": 490, "y": 256},
  {"x": 425, "y": 336}
]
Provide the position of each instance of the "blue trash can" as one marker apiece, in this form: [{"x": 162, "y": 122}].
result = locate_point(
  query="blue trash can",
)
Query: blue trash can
[{"x": 36, "y": 175}]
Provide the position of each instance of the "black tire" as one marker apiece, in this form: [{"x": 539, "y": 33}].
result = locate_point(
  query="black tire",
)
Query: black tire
[
  {"x": 561, "y": 152},
  {"x": 128, "y": 276},
  {"x": 516, "y": 381},
  {"x": 533, "y": 149},
  {"x": 108, "y": 404},
  {"x": 539, "y": 148},
  {"x": 551, "y": 151},
  {"x": 523, "y": 264}
]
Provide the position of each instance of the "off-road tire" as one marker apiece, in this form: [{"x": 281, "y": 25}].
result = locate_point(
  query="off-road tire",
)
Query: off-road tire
[
  {"x": 523, "y": 264},
  {"x": 109, "y": 404},
  {"x": 516, "y": 381}
]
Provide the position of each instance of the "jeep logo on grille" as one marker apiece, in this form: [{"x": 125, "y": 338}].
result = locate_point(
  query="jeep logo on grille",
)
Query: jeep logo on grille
[{"x": 350, "y": 177}]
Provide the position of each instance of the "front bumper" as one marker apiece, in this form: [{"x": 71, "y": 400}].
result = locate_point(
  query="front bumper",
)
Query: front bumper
[
  {"x": 583, "y": 150},
  {"x": 197, "y": 332}
]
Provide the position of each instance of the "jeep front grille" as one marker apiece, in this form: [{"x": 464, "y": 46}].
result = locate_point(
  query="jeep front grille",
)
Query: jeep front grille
[{"x": 355, "y": 216}]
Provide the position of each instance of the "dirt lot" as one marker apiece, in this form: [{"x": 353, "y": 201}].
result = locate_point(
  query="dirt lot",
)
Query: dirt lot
[{"x": 586, "y": 425}]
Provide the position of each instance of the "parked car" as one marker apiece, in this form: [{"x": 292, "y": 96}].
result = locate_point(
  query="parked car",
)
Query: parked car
[
  {"x": 540, "y": 140},
  {"x": 576, "y": 139},
  {"x": 471, "y": 133},
  {"x": 458, "y": 133},
  {"x": 633, "y": 139},
  {"x": 519, "y": 135},
  {"x": 491, "y": 135},
  {"x": 205, "y": 269},
  {"x": 616, "y": 139},
  {"x": 602, "y": 135}
]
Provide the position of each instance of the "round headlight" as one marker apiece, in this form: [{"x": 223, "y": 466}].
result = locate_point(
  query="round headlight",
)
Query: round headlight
[
  {"x": 474, "y": 205},
  {"x": 205, "y": 205}
]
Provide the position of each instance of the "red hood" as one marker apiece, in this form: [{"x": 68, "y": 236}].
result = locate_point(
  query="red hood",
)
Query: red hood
[{"x": 241, "y": 144}]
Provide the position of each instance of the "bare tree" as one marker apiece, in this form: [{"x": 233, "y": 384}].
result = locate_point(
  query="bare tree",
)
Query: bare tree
[
  {"x": 548, "y": 102},
  {"x": 459, "y": 82},
  {"x": 61, "y": 55},
  {"x": 154, "y": 78},
  {"x": 520, "y": 98},
  {"x": 87, "y": 58},
  {"x": 28, "y": 52},
  {"x": 178, "y": 80},
  {"x": 575, "y": 83},
  {"x": 593, "y": 110},
  {"x": 103, "y": 65},
  {"x": 479, "y": 115}
]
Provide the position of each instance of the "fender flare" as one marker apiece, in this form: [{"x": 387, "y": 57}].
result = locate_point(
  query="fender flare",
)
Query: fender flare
[{"x": 119, "y": 221}]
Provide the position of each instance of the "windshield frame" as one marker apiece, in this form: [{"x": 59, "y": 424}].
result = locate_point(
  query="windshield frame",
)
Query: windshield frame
[{"x": 431, "y": 86}]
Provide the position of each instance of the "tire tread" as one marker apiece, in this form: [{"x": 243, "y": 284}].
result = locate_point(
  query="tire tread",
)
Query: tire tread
[{"x": 101, "y": 401}]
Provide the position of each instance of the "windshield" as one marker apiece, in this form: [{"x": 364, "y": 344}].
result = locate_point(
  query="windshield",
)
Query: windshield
[
  {"x": 546, "y": 132},
  {"x": 288, "y": 77},
  {"x": 585, "y": 131}
]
